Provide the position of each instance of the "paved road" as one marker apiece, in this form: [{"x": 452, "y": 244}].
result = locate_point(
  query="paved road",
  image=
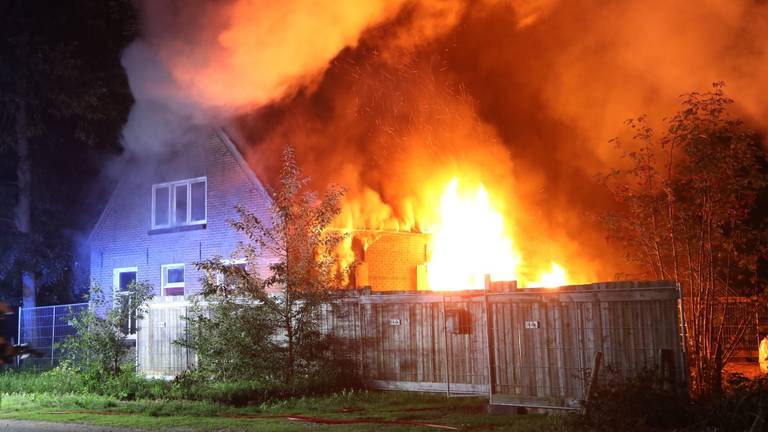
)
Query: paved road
[{"x": 34, "y": 426}]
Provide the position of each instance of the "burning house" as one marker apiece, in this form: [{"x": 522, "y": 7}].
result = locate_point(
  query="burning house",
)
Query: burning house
[
  {"x": 439, "y": 312},
  {"x": 466, "y": 135},
  {"x": 437, "y": 199}
]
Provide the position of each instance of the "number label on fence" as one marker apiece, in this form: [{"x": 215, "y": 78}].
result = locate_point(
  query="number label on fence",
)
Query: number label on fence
[
  {"x": 394, "y": 322},
  {"x": 532, "y": 324}
]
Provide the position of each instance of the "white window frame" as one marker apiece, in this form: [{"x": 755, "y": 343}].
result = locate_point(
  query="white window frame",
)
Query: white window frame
[
  {"x": 117, "y": 292},
  {"x": 227, "y": 262},
  {"x": 164, "y": 279},
  {"x": 172, "y": 202}
]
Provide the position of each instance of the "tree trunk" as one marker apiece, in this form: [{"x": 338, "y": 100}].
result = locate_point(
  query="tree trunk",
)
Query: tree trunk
[
  {"x": 23, "y": 210},
  {"x": 289, "y": 334}
]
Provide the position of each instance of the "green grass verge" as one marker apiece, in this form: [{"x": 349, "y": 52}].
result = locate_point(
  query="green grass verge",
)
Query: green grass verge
[{"x": 367, "y": 408}]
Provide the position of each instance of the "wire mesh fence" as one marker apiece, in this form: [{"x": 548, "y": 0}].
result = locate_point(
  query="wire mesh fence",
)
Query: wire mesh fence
[
  {"x": 737, "y": 321},
  {"x": 43, "y": 328}
]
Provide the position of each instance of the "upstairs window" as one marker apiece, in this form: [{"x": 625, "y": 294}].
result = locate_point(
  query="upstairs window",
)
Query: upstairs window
[
  {"x": 122, "y": 279},
  {"x": 179, "y": 203},
  {"x": 229, "y": 282},
  {"x": 173, "y": 279}
]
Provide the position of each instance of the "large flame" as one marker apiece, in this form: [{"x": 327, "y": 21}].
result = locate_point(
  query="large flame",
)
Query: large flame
[
  {"x": 557, "y": 276},
  {"x": 470, "y": 241},
  {"x": 473, "y": 241}
]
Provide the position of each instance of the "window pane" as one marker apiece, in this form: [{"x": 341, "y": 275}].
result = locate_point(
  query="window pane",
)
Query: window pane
[
  {"x": 198, "y": 201},
  {"x": 175, "y": 275},
  {"x": 162, "y": 201},
  {"x": 128, "y": 317},
  {"x": 174, "y": 291},
  {"x": 126, "y": 278},
  {"x": 181, "y": 204}
]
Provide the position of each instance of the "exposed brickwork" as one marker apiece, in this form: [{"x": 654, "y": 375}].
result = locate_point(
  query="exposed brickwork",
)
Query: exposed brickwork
[
  {"x": 392, "y": 259},
  {"x": 122, "y": 237}
]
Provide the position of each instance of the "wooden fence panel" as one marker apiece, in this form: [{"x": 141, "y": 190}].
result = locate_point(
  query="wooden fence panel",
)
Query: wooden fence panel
[
  {"x": 538, "y": 343},
  {"x": 156, "y": 352}
]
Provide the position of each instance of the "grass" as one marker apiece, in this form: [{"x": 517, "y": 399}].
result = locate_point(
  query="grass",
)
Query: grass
[{"x": 369, "y": 410}]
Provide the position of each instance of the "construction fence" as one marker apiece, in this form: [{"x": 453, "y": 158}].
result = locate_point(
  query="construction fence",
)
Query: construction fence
[
  {"x": 737, "y": 320},
  {"x": 43, "y": 328}
]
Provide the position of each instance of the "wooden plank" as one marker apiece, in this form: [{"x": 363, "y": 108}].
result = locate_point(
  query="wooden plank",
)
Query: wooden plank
[
  {"x": 570, "y": 404},
  {"x": 437, "y": 386},
  {"x": 538, "y": 364},
  {"x": 490, "y": 352},
  {"x": 418, "y": 337}
]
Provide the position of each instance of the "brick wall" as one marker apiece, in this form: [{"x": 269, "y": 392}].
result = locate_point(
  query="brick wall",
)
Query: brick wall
[{"x": 392, "y": 259}]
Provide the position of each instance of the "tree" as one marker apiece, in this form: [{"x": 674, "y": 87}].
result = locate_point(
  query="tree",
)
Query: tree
[
  {"x": 62, "y": 94},
  {"x": 689, "y": 212},
  {"x": 100, "y": 341},
  {"x": 269, "y": 327}
]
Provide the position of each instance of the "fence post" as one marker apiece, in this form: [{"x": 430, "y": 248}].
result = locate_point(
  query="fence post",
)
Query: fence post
[
  {"x": 489, "y": 348},
  {"x": 447, "y": 368},
  {"x": 596, "y": 363},
  {"x": 53, "y": 333},
  {"x": 683, "y": 355},
  {"x": 361, "y": 335},
  {"x": 18, "y": 334}
]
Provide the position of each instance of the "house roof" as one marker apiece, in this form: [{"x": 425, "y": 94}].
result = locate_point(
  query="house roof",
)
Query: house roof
[{"x": 231, "y": 146}]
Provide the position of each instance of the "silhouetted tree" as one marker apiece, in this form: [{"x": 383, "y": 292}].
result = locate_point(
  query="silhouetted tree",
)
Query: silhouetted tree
[
  {"x": 62, "y": 92},
  {"x": 688, "y": 213}
]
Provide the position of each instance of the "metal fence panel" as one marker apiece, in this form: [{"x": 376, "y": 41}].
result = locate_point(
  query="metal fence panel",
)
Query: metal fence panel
[
  {"x": 740, "y": 318},
  {"x": 43, "y": 328}
]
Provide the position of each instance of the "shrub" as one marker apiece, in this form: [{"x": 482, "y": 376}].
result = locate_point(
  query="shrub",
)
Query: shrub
[
  {"x": 66, "y": 379},
  {"x": 736, "y": 409},
  {"x": 100, "y": 340},
  {"x": 194, "y": 385},
  {"x": 264, "y": 326},
  {"x": 640, "y": 403}
]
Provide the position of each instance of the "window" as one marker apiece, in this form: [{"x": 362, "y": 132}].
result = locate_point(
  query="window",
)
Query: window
[
  {"x": 240, "y": 263},
  {"x": 173, "y": 279},
  {"x": 122, "y": 278},
  {"x": 179, "y": 203}
]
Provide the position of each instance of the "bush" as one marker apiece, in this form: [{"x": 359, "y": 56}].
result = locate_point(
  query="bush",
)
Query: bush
[
  {"x": 644, "y": 403},
  {"x": 61, "y": 380},
  {"x": 638, "y": 404},
  {"x": 66, "y": 379},
  {"x": 742, "y": 401},
  {"x": 195, "y": 385},
  {"x": 101, "y": 331},
  {"x": 125, "y": 384}
]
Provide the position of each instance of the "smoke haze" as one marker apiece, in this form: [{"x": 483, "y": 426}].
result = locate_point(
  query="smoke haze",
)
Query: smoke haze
[{"x": 392, "y": 98}]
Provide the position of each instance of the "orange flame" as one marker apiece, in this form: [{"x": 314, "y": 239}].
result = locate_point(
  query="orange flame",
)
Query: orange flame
[
  {"x": 473, "y": 239},
  {"x": 470, "y": 241},
  {"x": 555, "y": 277}
]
